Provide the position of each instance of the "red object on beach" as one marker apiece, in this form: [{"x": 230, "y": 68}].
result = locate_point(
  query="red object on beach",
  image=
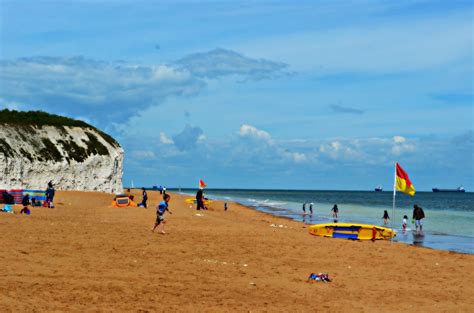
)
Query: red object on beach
[{"x": 17, "y": 195}]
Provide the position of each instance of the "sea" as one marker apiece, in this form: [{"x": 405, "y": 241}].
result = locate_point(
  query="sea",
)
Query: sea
[{"x": 449, "y": 222}]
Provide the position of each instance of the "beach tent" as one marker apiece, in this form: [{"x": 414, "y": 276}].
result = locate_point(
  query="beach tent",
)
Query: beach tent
[
  {"x": 122, "y": 200},
  {"x": 16, "y": 193},
  {"x": 39, "y": 195}
]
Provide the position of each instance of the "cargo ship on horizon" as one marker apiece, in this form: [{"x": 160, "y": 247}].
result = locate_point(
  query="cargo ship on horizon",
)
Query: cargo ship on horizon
[{"x": 459, "y": 189}]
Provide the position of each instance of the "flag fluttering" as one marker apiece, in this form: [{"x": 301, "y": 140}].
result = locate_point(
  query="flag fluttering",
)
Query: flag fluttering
[
  {"x": 403, "y": 182},
  {"x": 202, "y": 184}
]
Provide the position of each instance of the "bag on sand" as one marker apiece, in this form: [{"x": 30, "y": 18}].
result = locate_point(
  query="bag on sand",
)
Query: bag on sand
[{"x": 319, "y": 277}]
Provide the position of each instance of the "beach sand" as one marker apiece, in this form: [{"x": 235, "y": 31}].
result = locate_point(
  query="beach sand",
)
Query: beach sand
[{"x": 86, "y": 255}]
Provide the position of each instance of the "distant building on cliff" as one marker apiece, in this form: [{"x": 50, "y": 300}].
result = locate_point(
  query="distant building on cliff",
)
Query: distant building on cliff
[{"x": 37, "y": 147}]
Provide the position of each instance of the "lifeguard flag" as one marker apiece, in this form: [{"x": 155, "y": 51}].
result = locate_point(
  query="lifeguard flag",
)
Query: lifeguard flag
[
  {"x": 202, "y": 184},
  {"x": 403, "y": 182}
]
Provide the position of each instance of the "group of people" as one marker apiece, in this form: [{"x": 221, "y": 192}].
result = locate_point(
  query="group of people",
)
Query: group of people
[
  {"x": 417, "y": 218},
  {"x": 162, "y": 207},
  {"x": 8, "y": 199},
  {"x": 310, "y": 208},
  {"x": 334, "y": 210}
]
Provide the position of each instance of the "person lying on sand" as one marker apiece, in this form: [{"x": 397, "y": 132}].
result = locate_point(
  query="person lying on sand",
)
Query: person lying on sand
[{"x": 160, "y": 211}]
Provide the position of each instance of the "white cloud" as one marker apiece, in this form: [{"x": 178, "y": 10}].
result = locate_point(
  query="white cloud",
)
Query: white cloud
[
  {"x": 112, "y": 92},
  {"x": 298, "y": 157},
  {"x": 104, "y": 91},
  {"x": 221, "y": 62},
  {"x": 144, "y": 155},
  {"x": 165, "y": 139},
  {"x": 399, "y": 139},
  {"x": 402, "y": 145},
  {"x": 249, "y": 131},
  {"x": 201, "y": 138}
]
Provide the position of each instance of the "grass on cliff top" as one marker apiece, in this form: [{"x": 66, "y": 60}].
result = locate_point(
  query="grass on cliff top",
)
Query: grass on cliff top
[{"x": 39, "y": 118}]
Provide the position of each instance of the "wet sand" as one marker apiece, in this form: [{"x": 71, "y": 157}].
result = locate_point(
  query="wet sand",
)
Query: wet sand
[{"x": 86, "y": 255}]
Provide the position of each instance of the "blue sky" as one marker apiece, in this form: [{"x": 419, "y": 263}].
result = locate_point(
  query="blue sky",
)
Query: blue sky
[{"x": 255, "y": 94}]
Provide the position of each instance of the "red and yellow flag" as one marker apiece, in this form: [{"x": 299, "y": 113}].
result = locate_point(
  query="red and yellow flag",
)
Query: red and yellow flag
[
  {"x": 403, "y": 182},
  {"x": 202, "y": 184}
]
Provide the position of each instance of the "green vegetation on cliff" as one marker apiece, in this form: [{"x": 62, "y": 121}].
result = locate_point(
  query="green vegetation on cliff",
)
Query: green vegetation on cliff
[{"x": 26, "y": 119}]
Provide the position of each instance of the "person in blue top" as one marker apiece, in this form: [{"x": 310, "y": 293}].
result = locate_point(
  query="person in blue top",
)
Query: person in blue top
[{"x": 160, "y": 211}]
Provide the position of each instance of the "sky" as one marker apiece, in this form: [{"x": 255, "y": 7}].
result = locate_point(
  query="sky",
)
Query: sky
[{"x": 255, "y": 94}]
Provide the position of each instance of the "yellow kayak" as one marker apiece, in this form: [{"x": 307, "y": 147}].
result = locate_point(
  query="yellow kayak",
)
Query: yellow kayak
[
  {"x": 193, "y": 201},
  {"x": 352, "y": 231}
]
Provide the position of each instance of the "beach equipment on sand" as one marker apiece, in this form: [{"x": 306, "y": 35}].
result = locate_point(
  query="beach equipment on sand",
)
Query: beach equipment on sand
[
  {"x": 353, "y": 231},
  {"x": 319, "y": 277},
  {"x": 7, "y": 208},
  {"x": 194, "y": 201},
  {"x": 39, "y": 195},
  {"x": 122, "y": 201},
  {"x": 17, "y": 195}
]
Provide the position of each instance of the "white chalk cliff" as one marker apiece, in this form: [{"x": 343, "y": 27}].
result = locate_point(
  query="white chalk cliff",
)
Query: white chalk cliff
[{"x": 74, "y": 158}]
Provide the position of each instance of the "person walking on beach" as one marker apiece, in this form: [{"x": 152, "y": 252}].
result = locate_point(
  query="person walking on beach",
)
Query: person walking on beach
[
  {"x": 418, "y": 216},
  {"x": 160, "y": 211},
  {"x": 334, "y": 211},
  {"x": 50, "y": 195},
  {"x": 304, "y": 208},
  {"x": 385, "y": 217},
  {"x": 200, "y": 200},
  {"x": 144, "y": 199},
  {"x": 225, "y": 206}
]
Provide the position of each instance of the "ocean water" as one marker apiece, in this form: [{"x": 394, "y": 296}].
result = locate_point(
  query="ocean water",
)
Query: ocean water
[{"x": 449, "y": 222}]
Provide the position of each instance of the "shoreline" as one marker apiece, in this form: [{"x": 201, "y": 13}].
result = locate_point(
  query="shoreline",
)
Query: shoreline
[
  {"x": 433, "y": 239},
  {"x": 86, "y": 254}
]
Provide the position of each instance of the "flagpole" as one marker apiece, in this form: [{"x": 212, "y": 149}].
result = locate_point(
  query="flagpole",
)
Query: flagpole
[{"x": 394, "y": 194}]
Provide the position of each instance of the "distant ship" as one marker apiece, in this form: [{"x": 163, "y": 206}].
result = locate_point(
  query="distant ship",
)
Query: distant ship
[
  {"x": 459, "y": 189},
  {"x": 378, "y": 188}
]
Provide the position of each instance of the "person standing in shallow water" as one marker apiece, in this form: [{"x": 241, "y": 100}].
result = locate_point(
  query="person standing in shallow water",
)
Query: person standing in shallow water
[
  {"x": 304, "y": 208},
  {"x": 311, "y": 208},
  {"x": 335, "y": 211},
  {"x": 418, "y": 216},
  {"x": 385, "y": 217}
]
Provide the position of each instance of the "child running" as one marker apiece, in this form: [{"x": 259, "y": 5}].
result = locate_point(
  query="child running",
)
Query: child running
[{"x": 160, "y": 211}]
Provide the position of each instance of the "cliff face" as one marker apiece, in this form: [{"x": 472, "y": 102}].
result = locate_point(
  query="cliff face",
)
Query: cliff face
[{"x": 74, "y": 158}]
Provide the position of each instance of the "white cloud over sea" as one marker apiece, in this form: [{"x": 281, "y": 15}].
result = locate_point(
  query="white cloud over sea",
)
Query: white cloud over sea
[{"x": 111, "y": 92}]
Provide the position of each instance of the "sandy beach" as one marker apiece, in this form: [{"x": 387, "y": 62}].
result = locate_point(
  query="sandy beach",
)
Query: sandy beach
[{"x": 86, "y": 255}]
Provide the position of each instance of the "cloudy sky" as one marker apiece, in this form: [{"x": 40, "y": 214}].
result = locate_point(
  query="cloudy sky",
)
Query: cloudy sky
[{"x": 255, "y": 94}]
